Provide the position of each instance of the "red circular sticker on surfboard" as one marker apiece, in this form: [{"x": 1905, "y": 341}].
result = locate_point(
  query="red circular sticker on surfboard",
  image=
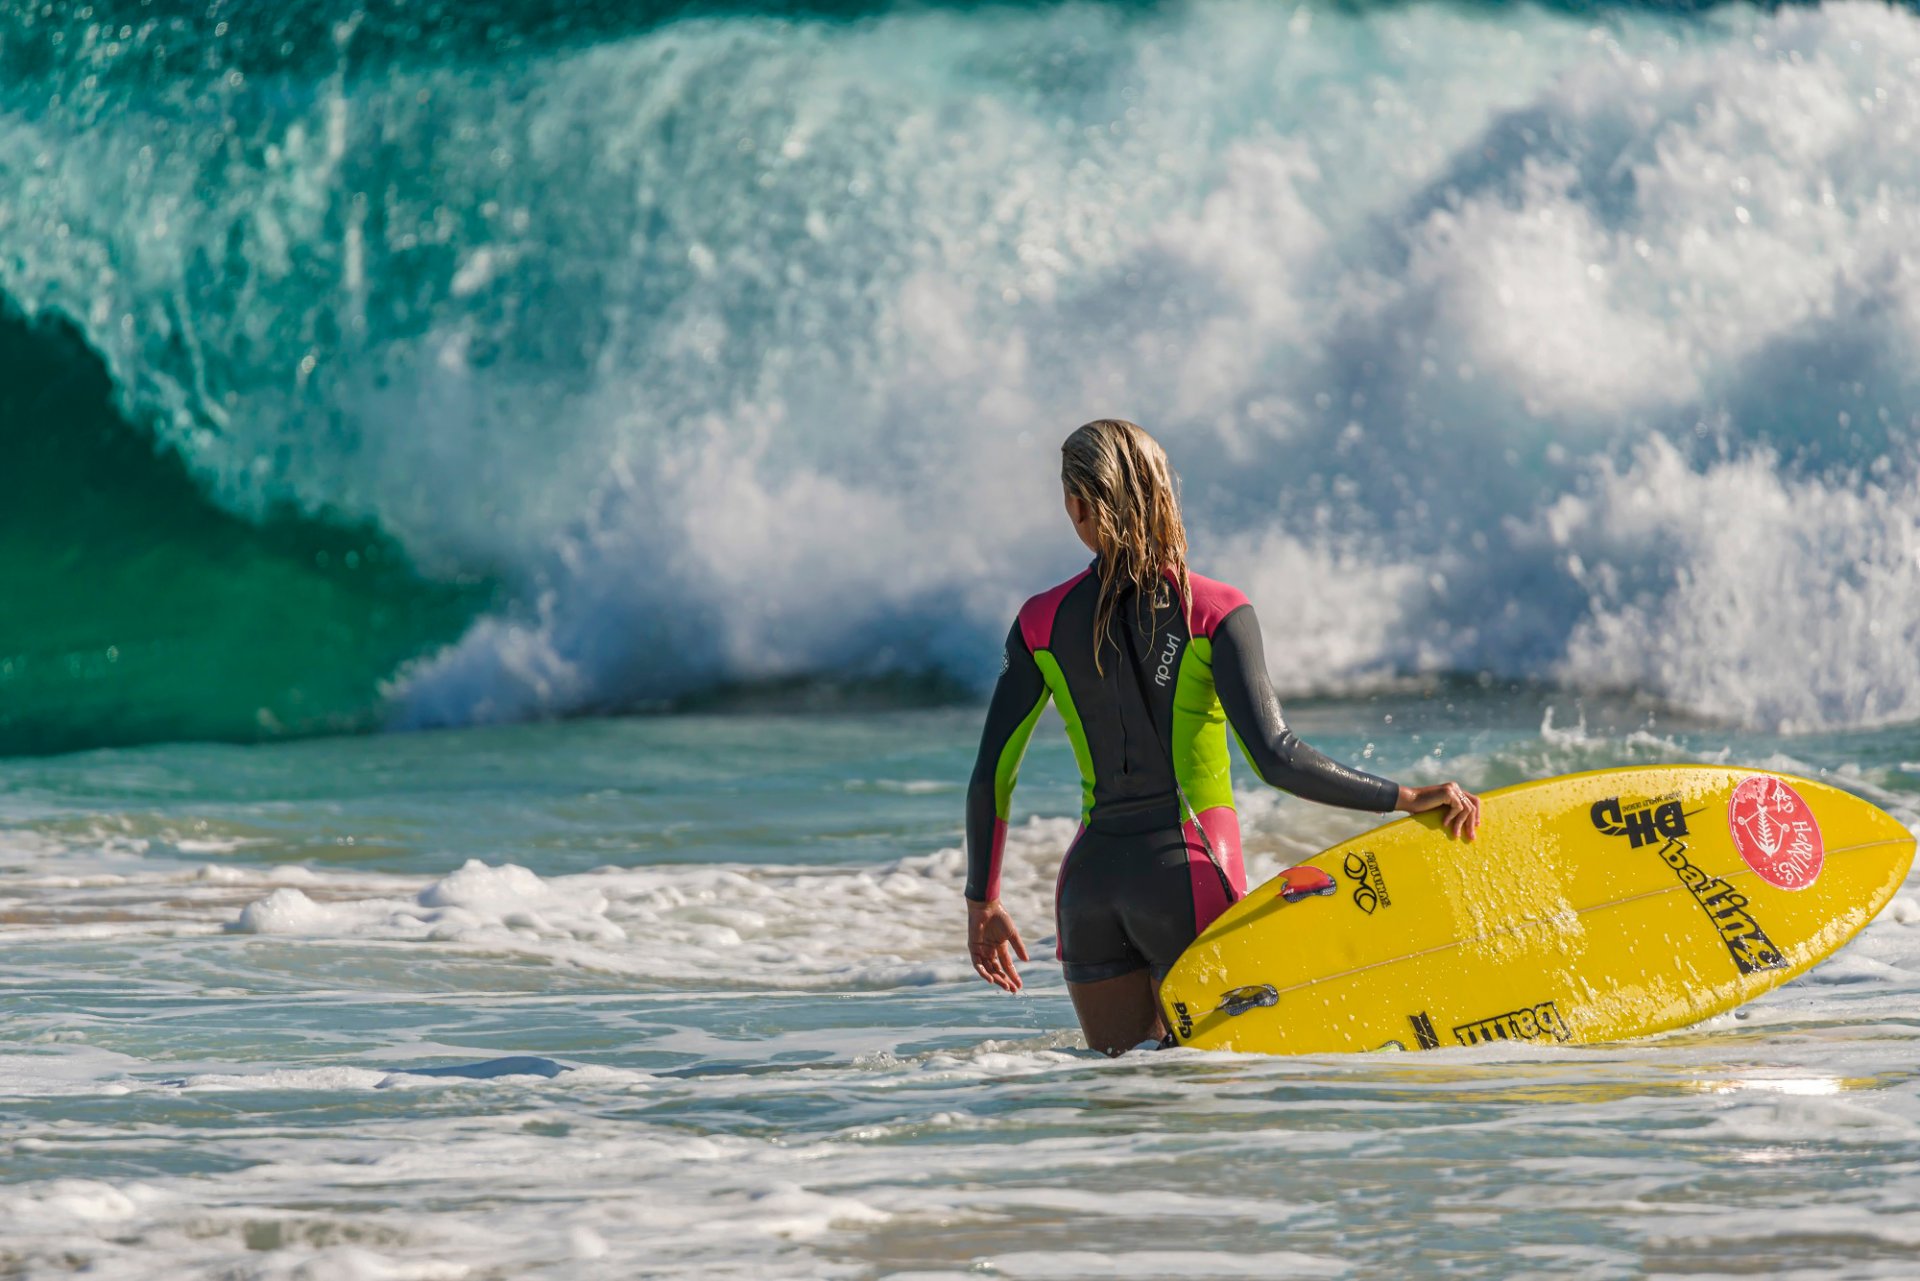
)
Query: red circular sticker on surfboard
[{"x": 1775, "y": 832}]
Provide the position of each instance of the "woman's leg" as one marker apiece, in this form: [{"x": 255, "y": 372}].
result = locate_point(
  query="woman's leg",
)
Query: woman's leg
[{"x": 1118, "y": 1014}]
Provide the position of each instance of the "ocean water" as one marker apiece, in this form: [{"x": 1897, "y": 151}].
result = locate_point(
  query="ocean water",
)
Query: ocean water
[
  {"x": 688, "y": 997},
  {"x": 658, "y": 404}
]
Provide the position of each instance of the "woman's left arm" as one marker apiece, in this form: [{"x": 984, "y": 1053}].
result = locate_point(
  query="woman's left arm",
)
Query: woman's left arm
[{"x": 1282, "y": 759}]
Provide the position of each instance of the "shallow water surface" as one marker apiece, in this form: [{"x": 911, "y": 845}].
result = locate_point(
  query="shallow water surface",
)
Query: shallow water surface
[{"x": 687, "y": 997}]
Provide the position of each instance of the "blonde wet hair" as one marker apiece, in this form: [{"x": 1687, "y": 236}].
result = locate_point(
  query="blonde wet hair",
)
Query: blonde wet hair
[{"x": 1122, "y": 475}]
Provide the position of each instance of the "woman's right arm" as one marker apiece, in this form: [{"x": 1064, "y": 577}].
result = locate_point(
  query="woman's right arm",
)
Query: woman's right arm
[{"x": 1018, "y": 698}]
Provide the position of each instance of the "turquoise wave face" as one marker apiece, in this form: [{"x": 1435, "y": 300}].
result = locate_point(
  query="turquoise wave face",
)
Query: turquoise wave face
[
  {"x": 138, "y": 610},
  {"x": 1542, "y": 345}
]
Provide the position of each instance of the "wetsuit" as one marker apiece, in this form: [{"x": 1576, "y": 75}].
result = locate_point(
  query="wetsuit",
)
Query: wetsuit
[{"x": 1136, "y": 885}]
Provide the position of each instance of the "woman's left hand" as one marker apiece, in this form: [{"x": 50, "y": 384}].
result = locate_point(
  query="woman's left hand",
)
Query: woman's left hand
[
  {"x": 1462, "y": 818},
  {"x": 993, "y": 942}
]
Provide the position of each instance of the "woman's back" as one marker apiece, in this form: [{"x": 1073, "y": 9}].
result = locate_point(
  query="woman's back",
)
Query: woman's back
[{"x": 1149, "y": 734}]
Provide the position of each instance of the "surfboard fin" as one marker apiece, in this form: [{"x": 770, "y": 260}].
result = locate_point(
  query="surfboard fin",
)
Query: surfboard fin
[
  {"x": 1241, "y": 999},
  {"x": 1297, "y": 883}
]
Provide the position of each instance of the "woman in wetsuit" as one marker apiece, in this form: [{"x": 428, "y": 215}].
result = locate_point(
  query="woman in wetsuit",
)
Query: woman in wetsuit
[{"x": 1150, "y": 665}]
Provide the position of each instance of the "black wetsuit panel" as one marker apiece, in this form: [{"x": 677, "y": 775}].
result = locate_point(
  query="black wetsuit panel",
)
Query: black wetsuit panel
[{"x": 1126, "y": 902}]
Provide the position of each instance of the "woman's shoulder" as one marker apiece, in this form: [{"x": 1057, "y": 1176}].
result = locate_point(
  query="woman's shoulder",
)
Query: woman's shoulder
[
  {"x": 1213, "y": 600},
  {"x": 1037, "y": 615}
]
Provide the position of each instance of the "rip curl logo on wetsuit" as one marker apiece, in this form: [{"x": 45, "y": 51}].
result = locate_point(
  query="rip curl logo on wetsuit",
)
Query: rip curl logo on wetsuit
[
  {"x": 1164, "y": 673},
  {"x": 1370, "y": 894}
]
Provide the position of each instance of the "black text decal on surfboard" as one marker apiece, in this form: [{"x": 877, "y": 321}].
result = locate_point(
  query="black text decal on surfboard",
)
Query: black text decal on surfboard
[
  {"x": 1534, "y": 1023},
  {"x": 1423, "y": 1031},
  {"x": 1662, "y": 818},
  {"x": 1726, "y": 907},
  {"x": 1184, "y": 1021},
  {"x": 1647, "y": 822},
  {"x": 1370, "y": 890}
]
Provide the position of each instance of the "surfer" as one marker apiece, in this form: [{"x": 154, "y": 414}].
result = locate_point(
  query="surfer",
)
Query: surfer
[{"x": 1150, "y": 664}]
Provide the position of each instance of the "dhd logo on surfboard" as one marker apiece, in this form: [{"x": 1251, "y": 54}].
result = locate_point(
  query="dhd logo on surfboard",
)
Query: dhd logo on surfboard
[{"x": 1644, "y": 824}]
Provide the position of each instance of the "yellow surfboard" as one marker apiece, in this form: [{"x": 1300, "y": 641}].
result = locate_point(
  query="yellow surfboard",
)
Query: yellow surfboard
[{"x": 1593, "y": 907}]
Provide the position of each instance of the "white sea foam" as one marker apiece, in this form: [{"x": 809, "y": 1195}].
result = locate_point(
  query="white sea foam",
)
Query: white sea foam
[
  {"x": 551, "y": 1188},
  {"x": 886, "y": 925},
  {"x": 838, "y": 927},
  {"x": 475, "y": 902},
  {"x": 942, "y": 1159}
]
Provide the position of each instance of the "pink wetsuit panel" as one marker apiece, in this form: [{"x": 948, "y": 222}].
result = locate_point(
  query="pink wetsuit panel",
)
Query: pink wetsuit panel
[
  {"x": 1209, "y": 899},
  {"x": 1212, "y": 602},
  {"x": 1036, "y": 616}
]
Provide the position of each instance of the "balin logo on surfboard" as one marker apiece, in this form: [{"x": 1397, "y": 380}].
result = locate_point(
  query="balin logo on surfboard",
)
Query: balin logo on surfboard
[
  {"x": 1775, "y": 832},
  {"x": 1746, "y": 942},
  {"x": 1534, "y": 1023},
  {"x": 1662, "y": 820}
]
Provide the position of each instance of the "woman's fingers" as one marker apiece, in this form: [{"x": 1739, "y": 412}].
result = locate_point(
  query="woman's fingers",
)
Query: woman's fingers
[
  {"x": 995, "y": 965},
  {"x": 992, "y": 942},
  {"x": 1006, "y": 966},
  {"x": 1463, "y": 812},
  {"x": 1461, "y": 818}
]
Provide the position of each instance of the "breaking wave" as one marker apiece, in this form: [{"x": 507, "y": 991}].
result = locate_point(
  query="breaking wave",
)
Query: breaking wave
[{"x": 737, "y": 348}]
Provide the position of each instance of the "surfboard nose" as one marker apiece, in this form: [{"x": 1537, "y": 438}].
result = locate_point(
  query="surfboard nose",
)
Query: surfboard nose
[{"x": 1848, "y": 821}]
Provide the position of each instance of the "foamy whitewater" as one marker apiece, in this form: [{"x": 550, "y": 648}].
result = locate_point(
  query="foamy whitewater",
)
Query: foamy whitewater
[{"x": 590, "y": 1000}]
